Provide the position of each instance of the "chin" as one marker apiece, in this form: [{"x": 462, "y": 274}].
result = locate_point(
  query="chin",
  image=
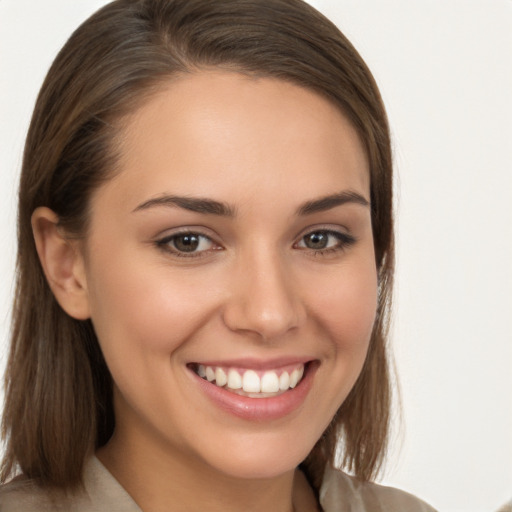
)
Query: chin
[{"x": 262, "y": 458}]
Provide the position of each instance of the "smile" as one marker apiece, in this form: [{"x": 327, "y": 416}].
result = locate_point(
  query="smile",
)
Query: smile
[
  {"x": 255, "y": 391},
  {"x": 252, "y": 383}
]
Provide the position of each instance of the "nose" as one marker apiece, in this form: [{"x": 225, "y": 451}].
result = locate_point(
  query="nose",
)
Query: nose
[{"x": 263, "y": 298}]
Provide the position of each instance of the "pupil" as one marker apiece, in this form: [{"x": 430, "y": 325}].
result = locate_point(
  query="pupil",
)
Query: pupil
[
  {"x": 186, "y": 243},
  {"x": 316, "y": 240}
]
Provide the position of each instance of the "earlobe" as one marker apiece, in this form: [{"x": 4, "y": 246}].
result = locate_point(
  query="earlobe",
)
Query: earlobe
[{"x": 62, "y": 262}]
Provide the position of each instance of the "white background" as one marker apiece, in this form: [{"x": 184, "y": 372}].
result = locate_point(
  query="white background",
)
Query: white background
[{"x": 445, "y": 71}]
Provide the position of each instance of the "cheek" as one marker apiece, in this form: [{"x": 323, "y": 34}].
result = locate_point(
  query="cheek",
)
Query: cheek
[
  {"x": 347, "y": 309},
  {"x": 145, "y": 307},
  {"x": 344, "y": 316}
]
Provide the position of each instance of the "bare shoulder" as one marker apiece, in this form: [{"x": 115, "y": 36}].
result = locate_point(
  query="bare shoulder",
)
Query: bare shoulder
[{"x": 344, "y": 492}]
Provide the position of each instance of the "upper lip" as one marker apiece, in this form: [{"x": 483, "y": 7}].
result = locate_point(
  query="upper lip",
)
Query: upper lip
[{"x": 257, "y": 364}]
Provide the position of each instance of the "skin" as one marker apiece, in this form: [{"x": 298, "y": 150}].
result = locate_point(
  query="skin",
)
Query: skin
[{"x": 255, "y": 289}]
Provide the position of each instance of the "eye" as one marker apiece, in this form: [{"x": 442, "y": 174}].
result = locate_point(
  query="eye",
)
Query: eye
[
  {"x": 321, "y": 241},
  {"x": 187, "y": 244}
]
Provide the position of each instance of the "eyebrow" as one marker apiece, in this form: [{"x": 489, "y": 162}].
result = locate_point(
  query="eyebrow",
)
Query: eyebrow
[
  {"x": 327, "y": 202},
  {"x": 213, "y": 207},
  {"x": 193, "y": 204}
]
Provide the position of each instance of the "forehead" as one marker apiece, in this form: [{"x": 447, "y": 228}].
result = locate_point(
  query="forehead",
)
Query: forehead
[{"x": 227, "y": 131}]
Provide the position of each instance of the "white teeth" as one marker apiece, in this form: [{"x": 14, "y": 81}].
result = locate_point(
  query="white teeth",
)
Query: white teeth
[
  {"x": 270, "y": 382},
  {"x": 210, "y": 374},
  {"x": 251, "y": 382},
  {"x": 221, "y": 378},
  {"x": 294, "y": 378},
  {"x": 234, "y": 380},
  {"x": 284, "y": 381}
]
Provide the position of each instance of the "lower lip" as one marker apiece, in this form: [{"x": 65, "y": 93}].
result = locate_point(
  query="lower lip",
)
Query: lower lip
[{"x": 259, "y": 409}]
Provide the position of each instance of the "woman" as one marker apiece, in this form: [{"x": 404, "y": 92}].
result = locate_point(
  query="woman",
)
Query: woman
[{"x": 205, "y": 268}]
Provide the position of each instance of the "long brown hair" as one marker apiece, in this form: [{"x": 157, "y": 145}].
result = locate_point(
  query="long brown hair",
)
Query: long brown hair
[{"x": 58, "y": 402}]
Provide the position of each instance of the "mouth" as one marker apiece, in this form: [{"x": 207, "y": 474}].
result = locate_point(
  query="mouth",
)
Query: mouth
[
  {"x": 253, "y": 391},
  {"x": 250, "y": 382}
]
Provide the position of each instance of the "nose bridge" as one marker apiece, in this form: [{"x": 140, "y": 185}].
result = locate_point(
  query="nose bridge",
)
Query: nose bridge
[{"x": 263, "y": 298}]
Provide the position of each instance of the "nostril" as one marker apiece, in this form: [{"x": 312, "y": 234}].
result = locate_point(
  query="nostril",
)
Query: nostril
[
  {"x": 266, "y": 319},
  {"x": 263, "y": 297}
]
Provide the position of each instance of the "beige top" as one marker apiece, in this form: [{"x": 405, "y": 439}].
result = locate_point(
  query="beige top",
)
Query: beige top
[{"x": 103, "y": 493}]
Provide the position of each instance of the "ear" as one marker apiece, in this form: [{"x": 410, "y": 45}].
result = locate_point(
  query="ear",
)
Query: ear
[{"x": 62, "y": 262}]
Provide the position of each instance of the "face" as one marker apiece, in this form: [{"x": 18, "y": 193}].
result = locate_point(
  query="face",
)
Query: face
[{"x": 230, "y": 272}]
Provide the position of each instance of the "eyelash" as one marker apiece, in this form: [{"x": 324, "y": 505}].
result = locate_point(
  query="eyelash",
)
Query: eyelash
[
  {"x": 344, "y": 241},
  {"x": 165, "y": 244}
]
